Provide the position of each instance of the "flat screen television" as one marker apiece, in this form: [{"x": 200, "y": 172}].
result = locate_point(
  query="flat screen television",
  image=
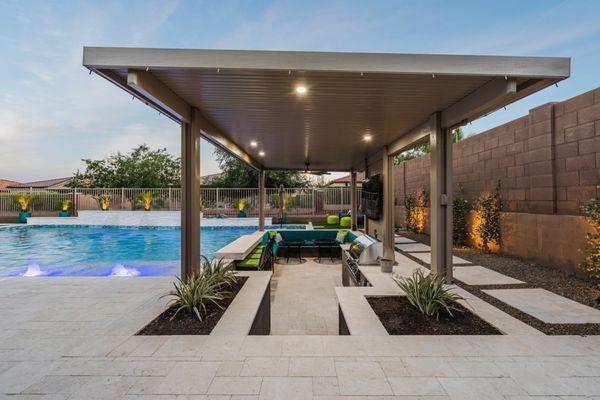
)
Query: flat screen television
[{"x": 371, "y": 197}]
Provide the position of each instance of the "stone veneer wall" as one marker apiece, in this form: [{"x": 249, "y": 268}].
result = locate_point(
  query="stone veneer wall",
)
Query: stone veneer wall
[{"x": 548, "y": 163}]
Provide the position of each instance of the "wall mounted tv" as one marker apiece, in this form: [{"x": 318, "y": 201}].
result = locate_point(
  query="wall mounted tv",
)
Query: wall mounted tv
[{"x": 371, "y": 197}]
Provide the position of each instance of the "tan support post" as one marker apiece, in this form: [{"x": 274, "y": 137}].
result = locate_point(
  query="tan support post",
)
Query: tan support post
[
  {"x": 366, "y": 223},
  {"x": 353, "y": 205},
  {"x": 441, "y": 199},
  {"x": 388, "y": 206},
  {"x": 261, "y": 200},
  {"x": 190, "y": 197}
]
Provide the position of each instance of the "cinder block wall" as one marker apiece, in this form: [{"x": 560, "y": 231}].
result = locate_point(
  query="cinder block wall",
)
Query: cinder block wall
[{"x": 548, "y": 164}]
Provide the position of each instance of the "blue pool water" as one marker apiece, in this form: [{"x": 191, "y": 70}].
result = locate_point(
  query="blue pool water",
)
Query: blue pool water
[{"x": 101, "y": 251}]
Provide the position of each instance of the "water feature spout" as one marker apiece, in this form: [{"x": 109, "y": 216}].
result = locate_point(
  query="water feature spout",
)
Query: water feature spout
[{"x": 122, "y": 270}]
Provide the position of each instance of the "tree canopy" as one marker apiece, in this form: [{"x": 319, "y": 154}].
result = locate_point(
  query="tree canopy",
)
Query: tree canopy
[
  {"x": 422, "y": 149},
  {"x": 142, "y": 168},
  {"x": 236, "y": 174}
]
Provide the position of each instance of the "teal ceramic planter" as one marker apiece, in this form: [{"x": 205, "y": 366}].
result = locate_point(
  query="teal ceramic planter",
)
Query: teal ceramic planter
[
  {"x": 241, "y": 214},
  {"x": 64, "y": 214},
  {"x": 23, "y": 215}
]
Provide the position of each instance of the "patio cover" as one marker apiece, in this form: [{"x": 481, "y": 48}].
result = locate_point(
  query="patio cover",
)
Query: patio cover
[
  {"x": 249, "y": 95},
  {"x": 235, "y": 99}
]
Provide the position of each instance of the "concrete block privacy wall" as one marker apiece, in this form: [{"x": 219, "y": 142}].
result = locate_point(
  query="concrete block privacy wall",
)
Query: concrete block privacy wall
[{"x": 548, "y": 164}]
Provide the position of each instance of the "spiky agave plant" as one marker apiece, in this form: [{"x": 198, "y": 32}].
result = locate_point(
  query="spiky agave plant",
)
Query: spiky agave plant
[
  {"x": 23, "y": 200},
  {"x": 202, "y": 288},
  {"x": 146, "y": 199},
  {"x": 222, "y": 271},
  {"x": 429, "y": 294},
  {"x": 66, "y": 204},
  {"x": 194, "y": 294},
  {"x": 104, "y": 202}
]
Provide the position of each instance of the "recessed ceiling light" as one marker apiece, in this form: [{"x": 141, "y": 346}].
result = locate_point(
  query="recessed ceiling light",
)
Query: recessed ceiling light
[
  {"x": 300, "y": 89},
  {"x": 261, "y": 153},
  {"x": 367, "y": 137},
  {"x": 253, "y": 143}
]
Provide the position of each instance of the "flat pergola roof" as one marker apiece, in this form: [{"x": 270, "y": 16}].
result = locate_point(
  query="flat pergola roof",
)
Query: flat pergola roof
[{"x": 246, "y": 96}]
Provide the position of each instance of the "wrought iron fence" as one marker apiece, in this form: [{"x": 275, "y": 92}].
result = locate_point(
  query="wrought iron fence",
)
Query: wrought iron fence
[{"x": 215, "y": 201}]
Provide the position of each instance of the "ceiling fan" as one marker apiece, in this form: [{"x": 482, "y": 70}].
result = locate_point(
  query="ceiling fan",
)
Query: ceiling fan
[{"x": 307, "y": 171}]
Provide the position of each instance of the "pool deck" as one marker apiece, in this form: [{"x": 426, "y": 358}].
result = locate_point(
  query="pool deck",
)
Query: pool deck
[{"x": 72, "y": 338}]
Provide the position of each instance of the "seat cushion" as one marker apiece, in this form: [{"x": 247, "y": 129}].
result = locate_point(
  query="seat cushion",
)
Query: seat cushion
[{"x": 249, "y": 263}]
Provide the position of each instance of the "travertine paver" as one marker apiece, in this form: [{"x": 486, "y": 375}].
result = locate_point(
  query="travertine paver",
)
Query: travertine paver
[
  {"x": 547, "y": 306},
  {"x": 304, "y": 300},
  {"x": 72, "y": 338},
  {"x": 410, "y": 247},
  {"x": 426, "y": 258},
  {"x": 401, "y": 239},
  {"x": 477, "y": 275}
]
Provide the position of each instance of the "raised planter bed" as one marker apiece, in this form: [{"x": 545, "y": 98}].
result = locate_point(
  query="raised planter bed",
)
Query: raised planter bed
[
  {"x": 187, "y": 323},
  {"x": 245, "y": 311},
  {"x": 399, "y": 317}
]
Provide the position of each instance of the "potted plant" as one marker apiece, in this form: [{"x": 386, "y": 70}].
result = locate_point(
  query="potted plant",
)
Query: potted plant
[
  {"x": 23, "y": 200},
  {"x": 241, "y": 204},
  {"x": 103, "y": 201},
  {"x": 65, "y": 206},
  {"x": 146, "y": 199}
]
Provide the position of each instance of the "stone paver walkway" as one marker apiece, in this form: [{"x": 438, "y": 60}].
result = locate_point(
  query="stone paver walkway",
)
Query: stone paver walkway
[
  {"x": 413, "y": 247},
  {"x": 478, "y": 275},
  {"x": 544, "y": 305},
  {"x": 304, "y": 300},
  {"x": 71, "y": 338},
  {"x": 547, "y": 306},
  {"x": 401, "y": 239},
  {"x": 426, "y": 258}
]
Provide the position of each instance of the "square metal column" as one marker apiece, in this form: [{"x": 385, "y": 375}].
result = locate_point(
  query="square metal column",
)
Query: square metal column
[
  {"x": 388, "y": 206},
  {"x": 353, "y": 206},
  {"x": 441, "y": 199},
  {"x": 261, "y": 200},
  {"x": 190, "y": 197}
]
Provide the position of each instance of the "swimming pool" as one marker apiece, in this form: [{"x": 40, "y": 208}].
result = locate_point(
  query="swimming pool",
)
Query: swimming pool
[{"x": 101, "y": 250}]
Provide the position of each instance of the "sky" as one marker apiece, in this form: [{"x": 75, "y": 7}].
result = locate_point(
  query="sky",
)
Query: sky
[{"x": 53, "y": 114}]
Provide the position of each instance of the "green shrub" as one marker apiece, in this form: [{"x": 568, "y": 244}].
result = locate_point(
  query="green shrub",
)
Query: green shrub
[
  {"x": 460, "y": 213},
  {"x": 416, "y": 206},
  {"x": 592, "y": 252},
  {"x": 487, "y": 228},
  {"x": 428, "y": 294}
]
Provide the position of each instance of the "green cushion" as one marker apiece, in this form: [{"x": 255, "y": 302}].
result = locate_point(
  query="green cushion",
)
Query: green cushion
[
  {"x": 333, "y": 219},
  {"x": 346, "y": 222},
  {"x": 249, "y": 263}
]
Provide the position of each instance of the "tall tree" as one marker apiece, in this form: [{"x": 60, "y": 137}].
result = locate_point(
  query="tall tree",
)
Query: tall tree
[
  {"x": 142, "y": 168},
  {"x": 422, "y": 149},
  {"x": 236, "y": 174}
]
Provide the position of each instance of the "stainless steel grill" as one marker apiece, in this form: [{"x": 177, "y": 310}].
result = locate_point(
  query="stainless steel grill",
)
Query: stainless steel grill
[{"x": 366, "y": 250}]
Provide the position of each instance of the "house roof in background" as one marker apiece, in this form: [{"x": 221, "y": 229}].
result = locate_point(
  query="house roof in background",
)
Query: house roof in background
[
  {"x": 206, "y": 179},
  {"x": 48, "y": 183},
  {"x": 346, "y": 179},
  {"x": 7, "y": 182}
]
